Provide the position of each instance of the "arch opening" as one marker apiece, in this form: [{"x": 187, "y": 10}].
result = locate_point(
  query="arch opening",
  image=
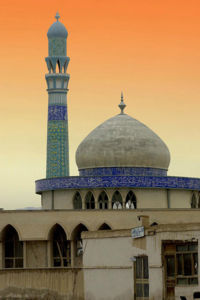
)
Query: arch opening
[
  {"x": 89, "y": 201},
  {"x": 12, "y": 248},
  {"x": 117, "y": 200},
  {"x": 77, "y": 201},
  {"x": 60, "y": 247},
  {"x": 78, "y": 244},
  {"x": 103, "y": 200},
  {"x": 131, "y": 201}
]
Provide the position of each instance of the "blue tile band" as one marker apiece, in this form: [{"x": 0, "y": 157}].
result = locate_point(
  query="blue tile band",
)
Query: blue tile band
[
  {"x": 78, "y": 182},
  {"x": 57, "y": 112},
  {"x": 128, "y": 171}
]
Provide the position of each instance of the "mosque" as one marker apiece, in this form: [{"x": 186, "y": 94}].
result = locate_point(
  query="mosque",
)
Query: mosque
[{"x": 122, "y": 229}]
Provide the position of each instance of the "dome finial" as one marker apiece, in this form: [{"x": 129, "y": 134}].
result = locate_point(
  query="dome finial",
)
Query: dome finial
[
  {"x": 57, "y": 16},
  {"x": 122, "y": 105}
]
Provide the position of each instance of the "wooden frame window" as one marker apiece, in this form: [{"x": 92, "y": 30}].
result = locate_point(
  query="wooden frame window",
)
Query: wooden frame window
[
  {"x": 181, "y": 263},
  {"x": 141, "y": 278}
]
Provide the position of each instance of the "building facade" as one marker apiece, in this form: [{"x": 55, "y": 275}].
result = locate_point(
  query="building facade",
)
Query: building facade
[{"x": 122, "y": 229}]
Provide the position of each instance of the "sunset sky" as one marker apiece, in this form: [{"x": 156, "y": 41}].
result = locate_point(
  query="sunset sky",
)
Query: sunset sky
[{"x": 150, "y": 49}]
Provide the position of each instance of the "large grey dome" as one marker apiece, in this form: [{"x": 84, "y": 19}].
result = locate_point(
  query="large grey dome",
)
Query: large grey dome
[{"x": 122, "y": 141}]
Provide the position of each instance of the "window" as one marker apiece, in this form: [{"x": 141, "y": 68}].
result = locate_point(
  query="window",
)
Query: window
[
  {"x": 61, "y": 249},
  {"x": 182, "y": 263},
  {"x": 117, "y": 200},
  {"x": 103, "y": 200},
  {"x": 141, "y": 278},
  {"x": 131, "y": 200},
  {"x": 13, "y": 249},
  {"x": 89, "y": 201},
  {"x": 187, "y": 263},
  {"x": 77, "y": 201}
]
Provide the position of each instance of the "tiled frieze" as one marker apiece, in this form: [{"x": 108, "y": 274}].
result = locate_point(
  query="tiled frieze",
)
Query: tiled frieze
[
  {"x": 57, "y": 112},
  {"x": 78, "y": 182}
]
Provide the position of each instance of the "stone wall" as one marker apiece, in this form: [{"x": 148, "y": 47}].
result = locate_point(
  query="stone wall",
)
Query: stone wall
[{"x": 57, "y": 284}]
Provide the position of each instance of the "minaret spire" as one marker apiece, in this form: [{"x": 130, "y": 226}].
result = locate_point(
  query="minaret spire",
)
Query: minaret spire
[
  {"x": 122, "y": 105},
  {"x": 57, "y": 16},
  {"x": 57, "y": 87}
]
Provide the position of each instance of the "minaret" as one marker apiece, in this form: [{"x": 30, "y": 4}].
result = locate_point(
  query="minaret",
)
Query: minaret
[{"x": 57, "y": 87}]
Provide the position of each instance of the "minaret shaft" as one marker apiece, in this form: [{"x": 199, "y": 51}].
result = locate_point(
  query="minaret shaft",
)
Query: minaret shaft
[{"x": 57, "y": 136}]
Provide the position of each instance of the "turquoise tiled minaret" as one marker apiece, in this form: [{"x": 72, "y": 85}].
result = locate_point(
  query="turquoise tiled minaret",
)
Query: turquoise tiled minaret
[{"x": 57, "y": 87}]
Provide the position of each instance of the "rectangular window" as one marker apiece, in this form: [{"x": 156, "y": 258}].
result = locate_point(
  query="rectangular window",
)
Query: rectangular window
[
  {"x": 181, "y": 260},
  {"x": 141, "y": 278}
]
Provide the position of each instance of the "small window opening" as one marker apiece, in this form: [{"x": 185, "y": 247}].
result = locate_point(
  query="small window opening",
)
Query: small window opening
[
  {"x": 89, "y": 201},
  {"x": 61, "y": 248},
  {"x": 103, "y": 200},
  {"x": 77, "y": 201},
  {"x": 131, "y": 202},
  {"x": 117, "y": 200},
  {"x": 104, "y": 226},
  {"x": 13, "y": 249}
]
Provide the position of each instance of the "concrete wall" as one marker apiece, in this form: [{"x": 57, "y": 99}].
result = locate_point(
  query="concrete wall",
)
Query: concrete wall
[
  {"x": 36, "y": 225},
  {"x": 36, "y": 254},
  {"x": 146, "y": 198},
  {"x": 107, "y": 261},
  {"x": 108, "y": 269}
]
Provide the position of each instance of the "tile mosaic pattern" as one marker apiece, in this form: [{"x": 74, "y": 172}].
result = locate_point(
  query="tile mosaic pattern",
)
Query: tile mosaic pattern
[
  {"x": 57, "y": 149},
  {"x": 78, "y": 182},
  {"x": 57, "y": 46},
  {"x": 57, "y": 112},
  {"x": 128, "y": 171}
]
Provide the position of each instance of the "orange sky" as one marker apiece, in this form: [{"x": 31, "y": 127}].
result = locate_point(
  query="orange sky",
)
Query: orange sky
[{"x": 149, "y": 49}]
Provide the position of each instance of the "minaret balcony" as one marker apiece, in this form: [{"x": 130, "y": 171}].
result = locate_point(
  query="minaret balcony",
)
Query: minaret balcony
[{"x": 57, "y": 82}]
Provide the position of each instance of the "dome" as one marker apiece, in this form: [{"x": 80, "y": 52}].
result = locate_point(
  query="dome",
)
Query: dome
[
  {"x": 122, "y": 141},
  {"x": 57, "y": 29}
]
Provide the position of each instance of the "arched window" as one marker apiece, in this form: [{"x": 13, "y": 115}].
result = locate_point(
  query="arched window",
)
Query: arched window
[
  {"x": 78, "y": 244},
  {"x": 104, "y": 226},
  {"x": 103, "y": 200},
  {"x": 117, "y": 200},
  {"x": 13, "y": 248},
  {"x": 61, "y": 250},
  {"x": 89, "y": 201},
  {"x": 131, "y": 202},
  {"x": 193, "y": 201},
  {"x": 77, "y": 201}
]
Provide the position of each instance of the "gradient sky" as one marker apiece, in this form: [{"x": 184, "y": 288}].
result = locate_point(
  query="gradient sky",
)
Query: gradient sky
[{"x": 150, "y": 49}]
